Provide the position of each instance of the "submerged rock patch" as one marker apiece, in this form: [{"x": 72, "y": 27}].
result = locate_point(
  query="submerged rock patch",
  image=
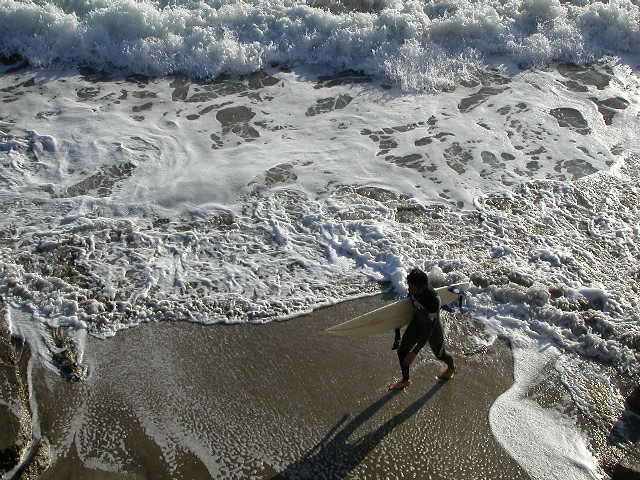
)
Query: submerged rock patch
[
  {"x": 608, "y": 107},
  {"x": 282, "y": 173},
  {"x": 346, "y": 77},
  {"x": 458, "y": 158},
  {"x": 232, "y": 115},
  {"x": 101, "y": 183},
  {"x": 326, "y": 105},
  {"x": 413, "y": 161},
  {"x": 222, "y": 85},
  {"x": 576, "y": 168},
  {"x": 572, "y": 119},
  {"x": 478, "y": 98},
  {"x": 586, "y": 76}
]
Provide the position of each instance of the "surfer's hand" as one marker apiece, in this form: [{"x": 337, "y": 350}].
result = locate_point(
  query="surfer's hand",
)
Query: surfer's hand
[{"x": 408, "y": 360}]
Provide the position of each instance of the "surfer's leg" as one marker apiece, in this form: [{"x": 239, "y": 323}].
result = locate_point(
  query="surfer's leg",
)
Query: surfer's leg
[
  {"x": 409, "y": 340},
  {"x": 405, "y": 382},
  {"x": 402, "y": 353},
  {"x": 396, "y": 340},
  {"x": 436, "y": 342},
  {"x": 407, "y": 343}
]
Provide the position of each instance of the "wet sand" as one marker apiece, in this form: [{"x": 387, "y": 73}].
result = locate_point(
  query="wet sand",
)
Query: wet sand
[{"x": 277, "y": 401}]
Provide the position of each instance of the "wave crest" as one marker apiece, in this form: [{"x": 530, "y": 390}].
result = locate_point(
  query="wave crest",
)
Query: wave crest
[{"x": 416, "y": 45}]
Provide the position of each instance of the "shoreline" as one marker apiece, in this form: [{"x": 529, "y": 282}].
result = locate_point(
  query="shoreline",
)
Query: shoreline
[{"x": 272, "y": 401}]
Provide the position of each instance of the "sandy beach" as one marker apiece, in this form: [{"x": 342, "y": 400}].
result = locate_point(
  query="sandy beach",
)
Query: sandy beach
[{"x": 277, "y": 401}]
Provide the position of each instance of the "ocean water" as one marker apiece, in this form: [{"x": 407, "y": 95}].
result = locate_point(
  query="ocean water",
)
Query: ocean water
[{"x": 251, "y": 161}]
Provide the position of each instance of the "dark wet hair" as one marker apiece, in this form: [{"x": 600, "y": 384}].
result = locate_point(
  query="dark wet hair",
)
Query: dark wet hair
[{"x": 418, "y": 278}]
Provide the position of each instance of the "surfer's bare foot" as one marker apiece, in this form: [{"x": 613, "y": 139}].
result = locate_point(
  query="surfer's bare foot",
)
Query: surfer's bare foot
[
  {"x": 400, "y": 385},
  {"x": 447, "y": 374}
]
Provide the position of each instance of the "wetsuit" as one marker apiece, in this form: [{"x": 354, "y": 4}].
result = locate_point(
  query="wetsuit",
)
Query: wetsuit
[{"x": 425, "y": 326}]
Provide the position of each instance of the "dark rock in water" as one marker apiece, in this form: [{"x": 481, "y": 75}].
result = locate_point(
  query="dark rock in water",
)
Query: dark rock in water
[
  {"x": 493, "y": 77},
  {"x": 94, "y": 76},
  {"x": 216, "y": 90},
  {"x": 608, "y": 107},
  {"x": 245, "y": 131},
  {"x": 101, "y": 182},
  {"x": 575, "y": 86},
  {"x": 421, "y": 142},
  {"x": 377, "y": 193},
  {"x": 325, "y": 105},
  {"x": 66, "y": 357},
  {"x": 282, "y": 173},
  {"x": 217, "y": 142},
  {"x": 457, "y": 157},
  {"x": 236, "y": 120},
  {"x": 408, "y": 127},
  {"x": 180, "y": 93},
  {"x": 585, "y": 75},
  {"x": 617, "y": 103},
  {"x": 479, "y": 279},
  {"x": 207, "y": 109},
  {"x": 478, "y": 98},
  {"x": 46, "y": 115},
  {"x": 144, "y": 94},
  {"x": 9, "y": 457},
  {"x": 180, "y": 84},
  {"x": 10, "y": 59},
  {"x": 16, "y": 60},
  {"x": 18, "y": 67},
  {"x": 346, "y": 77},
  {"x": 143, "y": 107},
  {"x": 633, "y": 401},
  {"x": 260, "y": 79},
  {"x": 211, "y": 108},
  {"x": 410, "y": 213},
  {"x": 413, "y": 160},
  {"x": 141, "y": 80},
  {"x": 520, "y": 278},
  {"x": 387, "y": 142},
  {"x": 490, "y": 159},
  {"x": 571, "y": 118},
  {"x": 87, "y": 93},
  {"x": 232, "y": 115},
  {"x": 220, "y": 86},
  {"x": 577, "y": 168}
]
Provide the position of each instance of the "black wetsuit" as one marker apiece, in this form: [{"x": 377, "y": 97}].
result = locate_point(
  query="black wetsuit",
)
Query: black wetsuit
[{"x": 424, "y": 327}]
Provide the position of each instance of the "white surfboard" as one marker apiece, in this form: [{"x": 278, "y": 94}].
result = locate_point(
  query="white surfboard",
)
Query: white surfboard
[{"x": 391, "y": 316}]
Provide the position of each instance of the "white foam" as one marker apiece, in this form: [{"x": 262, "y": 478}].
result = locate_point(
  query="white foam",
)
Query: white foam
[{"x": 544, "y": 442}]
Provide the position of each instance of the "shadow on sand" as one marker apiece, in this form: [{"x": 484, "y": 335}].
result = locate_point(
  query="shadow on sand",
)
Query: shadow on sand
[{"x": 334, "y": 457}]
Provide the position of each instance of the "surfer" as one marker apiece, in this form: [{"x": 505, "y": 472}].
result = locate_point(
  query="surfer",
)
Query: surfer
[{"x": 425, "y": 326}]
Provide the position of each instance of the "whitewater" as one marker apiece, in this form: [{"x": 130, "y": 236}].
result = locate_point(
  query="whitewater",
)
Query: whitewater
[{"x": 247, "y": 161}]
